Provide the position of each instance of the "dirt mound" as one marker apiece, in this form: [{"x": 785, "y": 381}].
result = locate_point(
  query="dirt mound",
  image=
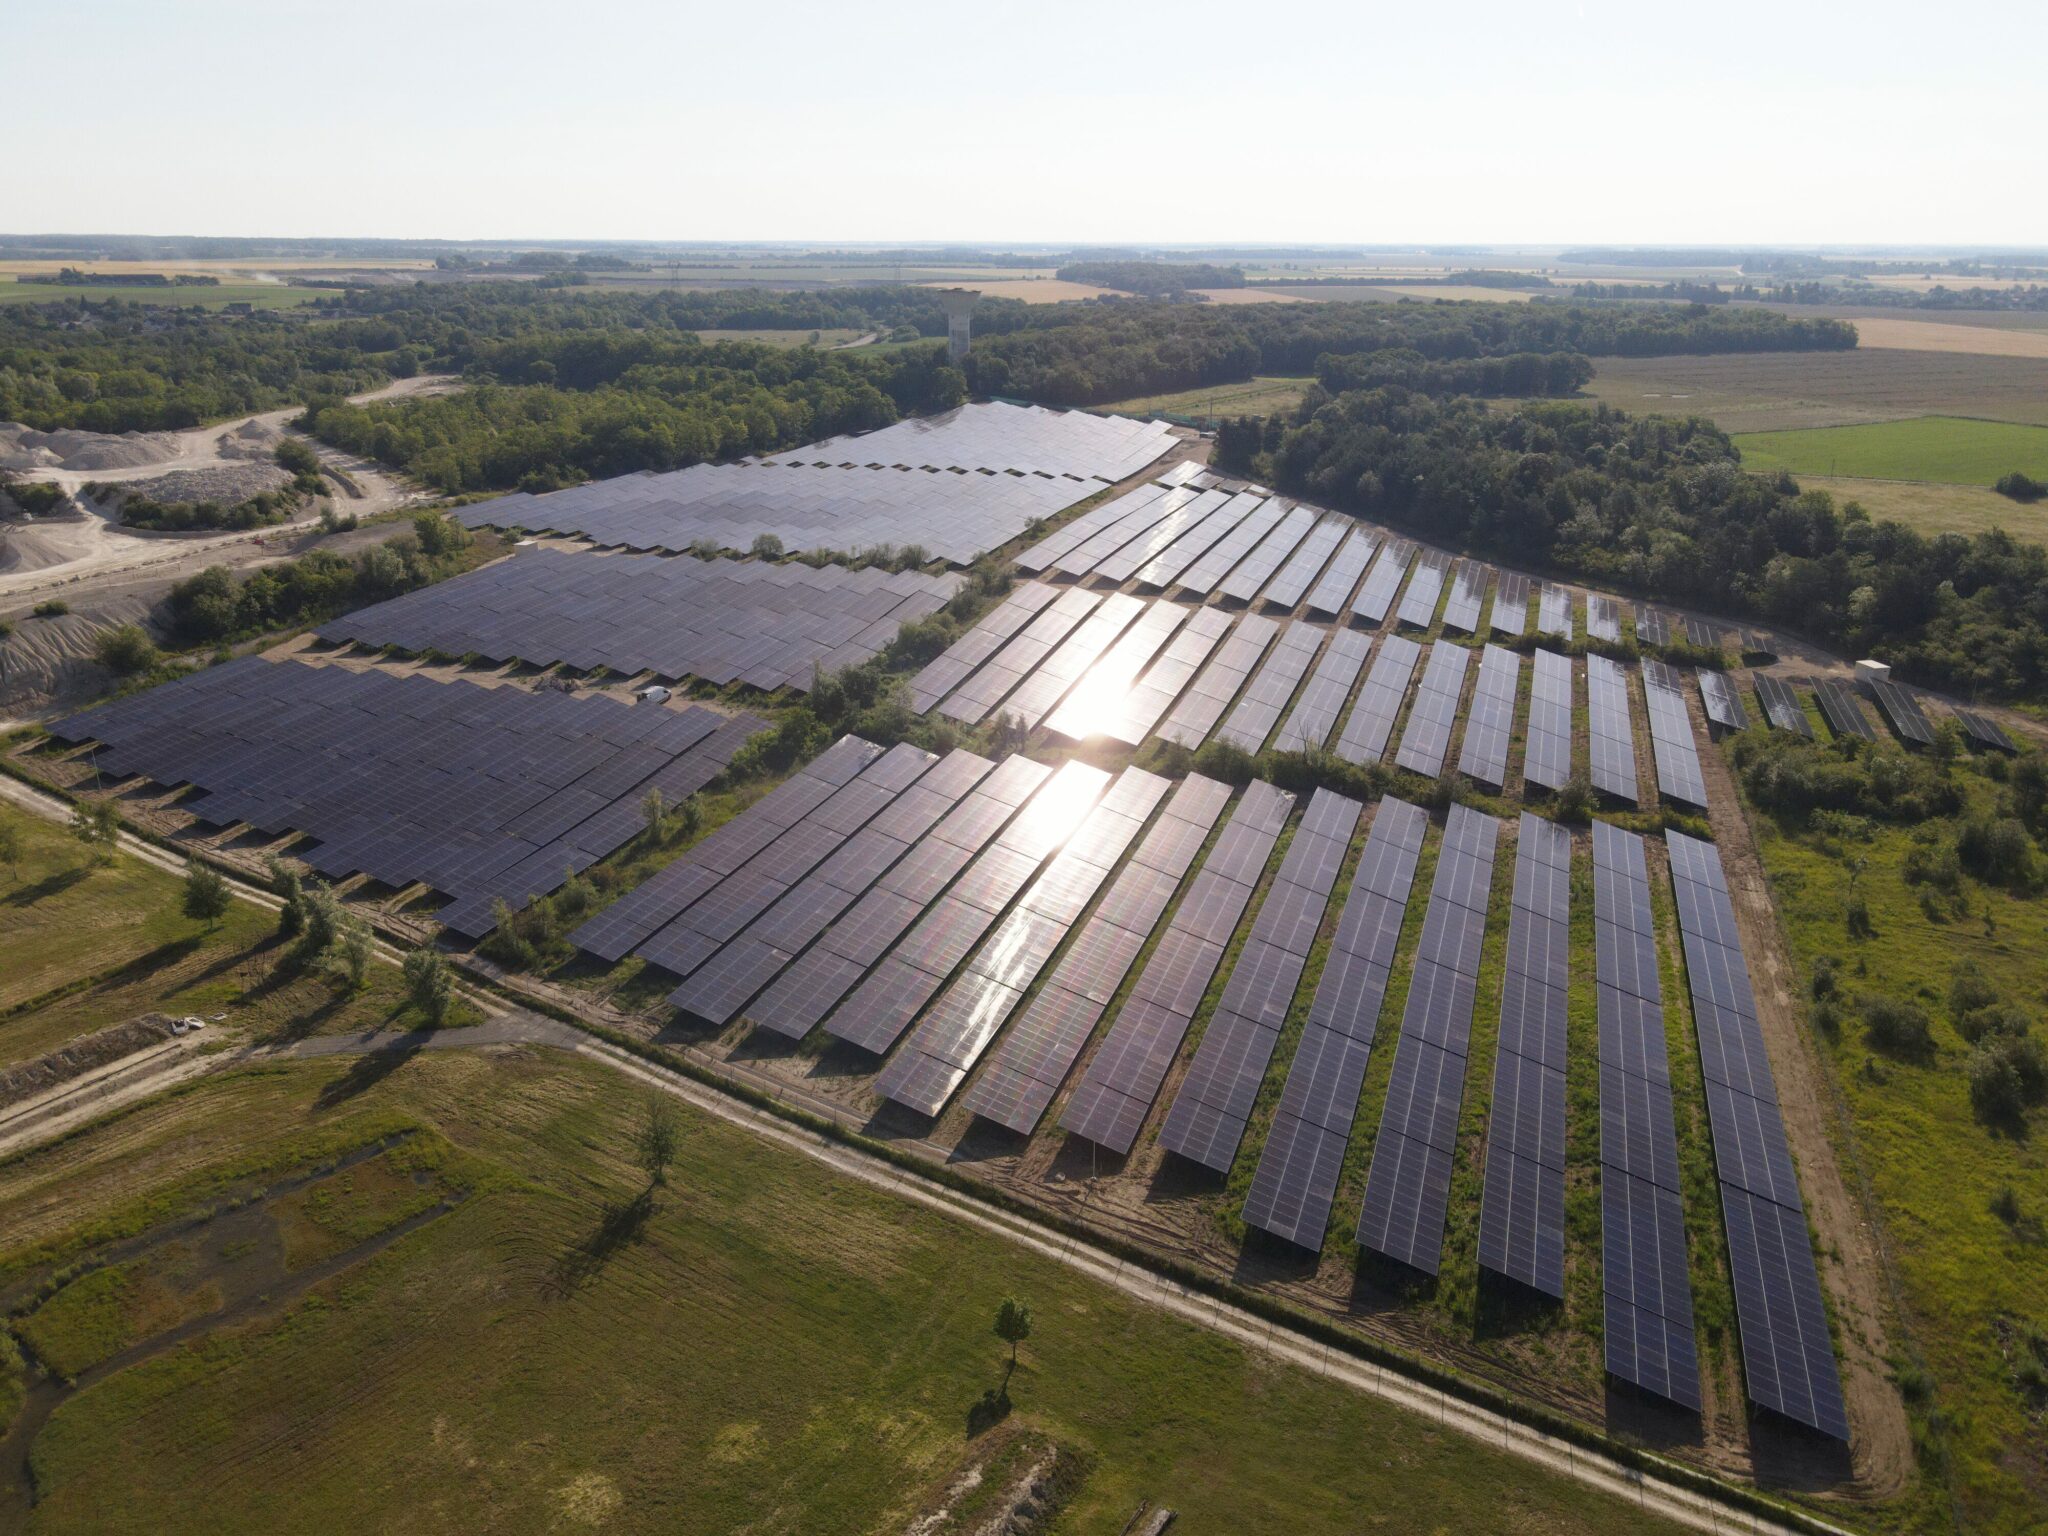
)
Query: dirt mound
[
  {"x": 82, "y": 1056},
  {"x": 224, "y": 483},
  {"x": 253, "y": 439},
  {"x": 25, "y": 448}
]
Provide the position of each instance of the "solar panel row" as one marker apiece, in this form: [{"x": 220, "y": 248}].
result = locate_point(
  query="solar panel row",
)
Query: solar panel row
[
  {"x": 1139, "y": 712},
  {"x": 908, "y": 885},
  {"x": 1788, "y": 1360},
  {"x": 1648, "y": 1294},
  {"x": 1098, "y": 702},
  {"x": 1124, "y": 1076},
  {"x": 1408, "y": 1188},
  {"x": 1332, "y": 591},
  {"x": 1295, "y": 1183},
  {"x": 1511, "y": 604},
  {"x": 1027, "y": 439},
  {"x": 1207, "y": 1122},
  {"x": 1161, "y": 537},
  {"x": 1315, "y": 715},
  {"x": 1040, "y": 693},
  {"x": 1222, "y": 559},
  {"x": 1291, "y": 585},
  {"x": 1468, "y": 592},
  {"x": 1845, "y": 715},
  {"x": 1188, "y": 555},
  {"x": 1985, "y": 731},
  {"x": 762, "y": 624},
  {"x": 1030, "y": 1063},
  {"x": 944, "y": 1047},
  {"x": 946, "y": 672},
  {"x": 483, "y": 793},
  {"x": 1489, "y": 726},
  {"x": 1723, "y": 703},
  {"x": 1195, "y": 716},
  {"x": 976, "y": 698},
  {"x": 1547, "y": 745},
  {"x": 1653, "y": 626},
  {"x": 1704, "y": 633},
  {"x": 1428, "y": 737},
  {"x": 1671, "y": 739},
  {"x": 1904, "y": 712},
  {"x": 1258, "y": 708},
  {"x": 1257, "y": 569},
  {"x": 1554, "y": 610},
  {"x": 1781, "y": 705},
  {"x": 1612, "y": 729},
  {"x": 1418, "y": 603},
  {"x": 1083, "y": 528},
  {"x": 1521, "y": 1215},
  {"x": 1365, "y": 734},
  {"x": 1121, "y": 532},
  {"x": 1603, "y": 618},
  {"x": 1376, "y": 596}
]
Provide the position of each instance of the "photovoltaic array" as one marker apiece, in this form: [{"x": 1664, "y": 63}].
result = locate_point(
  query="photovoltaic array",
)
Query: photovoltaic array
[
  {"x": 482, "y": 793},
  {"x": 1294, "y": 579},
  {"x": 1653, "y": 626},
  {"x": 1703, "y": 633},
  {"x": 1184, "y": 561},
  {"x": 947, "y": 672},
  {"x": 1788, "y": 1361},
  {"x": 1554, "y": 611},
  {"x": 1490, "y": 725},
  {"x": 1428, "y": 737},
  {"x": 1365, "y": 734},
  {"x": 955, "y": 485},
  {"x": 1195, "y": 716},
  {"x": 945, "y": 1045},
  {"x": 1332, "y": 592},
  {"x": 1116, "y": 1091},
  {"x": 1781, "y": 705},
  {"x": 1099, "y": 703},
  {"x": 1612, "y": 730},
  {"x": 1511, "y": 604},
  {"x": 1723, "y": 704},
  {"x": 1251, "y": 575},
  {"x": 1984, "y": 731},
  {"x": 1603, "y": 618},
  {"x": 1671, "y": 738},
  {"x": 1207, "y": 1121},
  {"x": 1028, "y": 1066},
  {"x": 1102, "y": 530},
  {"x": 1418, "y": 603},
  {"x": 1838, "y": 703},
  {"x": 1258, "y": 708},
  {"x": 1904, "y": 712},
  {"x": 1648, "y": 1292},
  {"x": 754, "y": 622},
  {"x": 1468, "y": 592},
  {"x": 1376, "y": 595},
  {"x": 1408, "y": 1189},
  {"x": 1547, "y": 747},
  {"x": 1321, "y": 705},
  {"x": 1521, "y": 1216},
  {"x": 1296, "y": 1181}
]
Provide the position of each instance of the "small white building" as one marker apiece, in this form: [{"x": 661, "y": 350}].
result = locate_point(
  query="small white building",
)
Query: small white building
[{"x": 1870, "y": 673}]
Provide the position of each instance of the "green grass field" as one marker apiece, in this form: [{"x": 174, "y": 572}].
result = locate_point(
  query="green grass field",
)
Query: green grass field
[
  {"x": 1948, "y": 449},
  {"x": 761, "y": 1345},
  {"x": 1972, "y": 1281},
  {"x": 1932, "y": 507},
  {"x": 262, "y": 295},
  {"x": 1781, "y": 391},
  {"x": 1257, "y": 397}
]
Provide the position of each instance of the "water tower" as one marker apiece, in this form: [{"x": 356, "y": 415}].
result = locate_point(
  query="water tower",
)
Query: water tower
[{"x": 959, "y": 305}]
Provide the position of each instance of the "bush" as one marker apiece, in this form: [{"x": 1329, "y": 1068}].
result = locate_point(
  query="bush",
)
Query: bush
[
  {"x": 2020, "y": 487},
  {"x": 429, "y": 985},
  {"x": 1998, "y": 1019},
  {"x": 1897, "y": 1025},
  {"x": 53, "y": 608},
  {"x": 1996, "y": 850},
  {"x": 125, "y": 649},
  {"x": 2008, "y": 1076},
  {"x": 1225, "y": 761},
  {"x": 1574, "y": 802}
]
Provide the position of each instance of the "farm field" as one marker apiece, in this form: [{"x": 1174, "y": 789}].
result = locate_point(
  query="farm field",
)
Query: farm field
[
  {"x": 555, "y": 1344},
  {"x": 829, "y": 338},
  {"x": 1941, "y": 336},
  {"x": 1345, "y": 292},
  {"x": 1974, "y": 1283},
  {"x": 1934, "y": 508},
  {"x": 1247, "y": 296},
  {"x": 262, "y": 295},
  {"x": 1771, "y": 391},
  {"x": 1032, "y": 290},
  {"x": 1257, "y": 397},
  {"x": 1948, "y": 449}
]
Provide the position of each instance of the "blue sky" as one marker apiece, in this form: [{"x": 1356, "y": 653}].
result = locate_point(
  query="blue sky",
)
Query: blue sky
[{"x": 1580, "y": 121}]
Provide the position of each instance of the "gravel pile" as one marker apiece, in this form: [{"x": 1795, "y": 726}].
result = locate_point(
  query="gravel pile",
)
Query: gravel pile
[{"x": 25, "y": 448}]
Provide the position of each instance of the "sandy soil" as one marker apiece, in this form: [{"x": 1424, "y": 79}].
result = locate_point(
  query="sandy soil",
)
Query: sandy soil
[{"x": 1936, "y": 336}]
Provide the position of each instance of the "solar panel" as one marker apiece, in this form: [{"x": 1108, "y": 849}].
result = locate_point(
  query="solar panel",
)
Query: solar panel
[
  {"x": 1521, "y": 1218},
  {"x": 974, "y": 699},
  {"x": 1124, "y": 532},
  {"x": 1468, "y": 591},
  {"x": 1490, "y": 724},
  {"x": 1428, "y": 736},
  {"x": 1116, "y": 1090},
  {"x": 1653, "y": 627},
  {"x": 483, "y": 794},
  {"x": 1032, "y": 1060},
  {"x": 1553, "y": 610},
  {"x": 1511, "y": 604},
  {"x": 1259, "y": 709},
  {"x": 1243, "y": 584},
  {"x": 1788, "y": 1361},
  {"x": 1547, "y": 747},
  {"x": 1207, "y": 1121},
  {"x": 1213, "y": 691},
  {"x": 1187, "y": 555},
  {"x": 1985, "y": 731},
  {"x": 1376, "y": 595},
  {"x": 1418, "y": 603},
  {"x": 1040, "y": 693},
  {"x": 1612, "y": 730},
  {"x": 1671, "y": 738},
  {"x": 1408, "y": 1186},
  {"x": 1603, "y": 618},
  {"x": 1365, "y": 734},
  {"x": 1723, "y": 703},
  {"x": 1155, "y": 541},
  {"x": 1083, "y": 528},
  {"x": 1099, "y": 702},
  {"x": 1332, "y": 592},
  {"x": 946, "y": 672},
  {"x": 1292, "y": 583},
  {"x": 1903, "y": 710},
  {"x": 1781, "y": 705},
  {"x": 1317, "y": 711},
  {"x": 1703, "y": 633},
  {"x": 1837, "y": 701},
  {"x": 1649, "y": 1296},
  {"x": 1163, "y": 683}
]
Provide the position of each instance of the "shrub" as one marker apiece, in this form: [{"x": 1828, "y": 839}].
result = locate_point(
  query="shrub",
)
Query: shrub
[
  {"x": 52, "y": 608},
  {"x": 2020, "y": 487},
  {"x": 767, "y": 547},
  {"x": 1997, "y": 1019},
  {"x": 1856, "y": 916},
  {"x": 1997, "y": 850},
  {"x": 1225, "y": 761},
  {"x": 429, "y": 985},
  {"x": 1575, "y": 801},
  {"x": 2008, "y": 1076},
  {"x": 126, "y": 649},
  {"x": 1897, "y": 1025}
]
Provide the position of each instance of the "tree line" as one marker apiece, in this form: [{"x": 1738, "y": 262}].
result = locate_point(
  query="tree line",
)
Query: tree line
[
  {"x": 1663, "y": 507},
  {"x": 1152, "y": 279}
]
